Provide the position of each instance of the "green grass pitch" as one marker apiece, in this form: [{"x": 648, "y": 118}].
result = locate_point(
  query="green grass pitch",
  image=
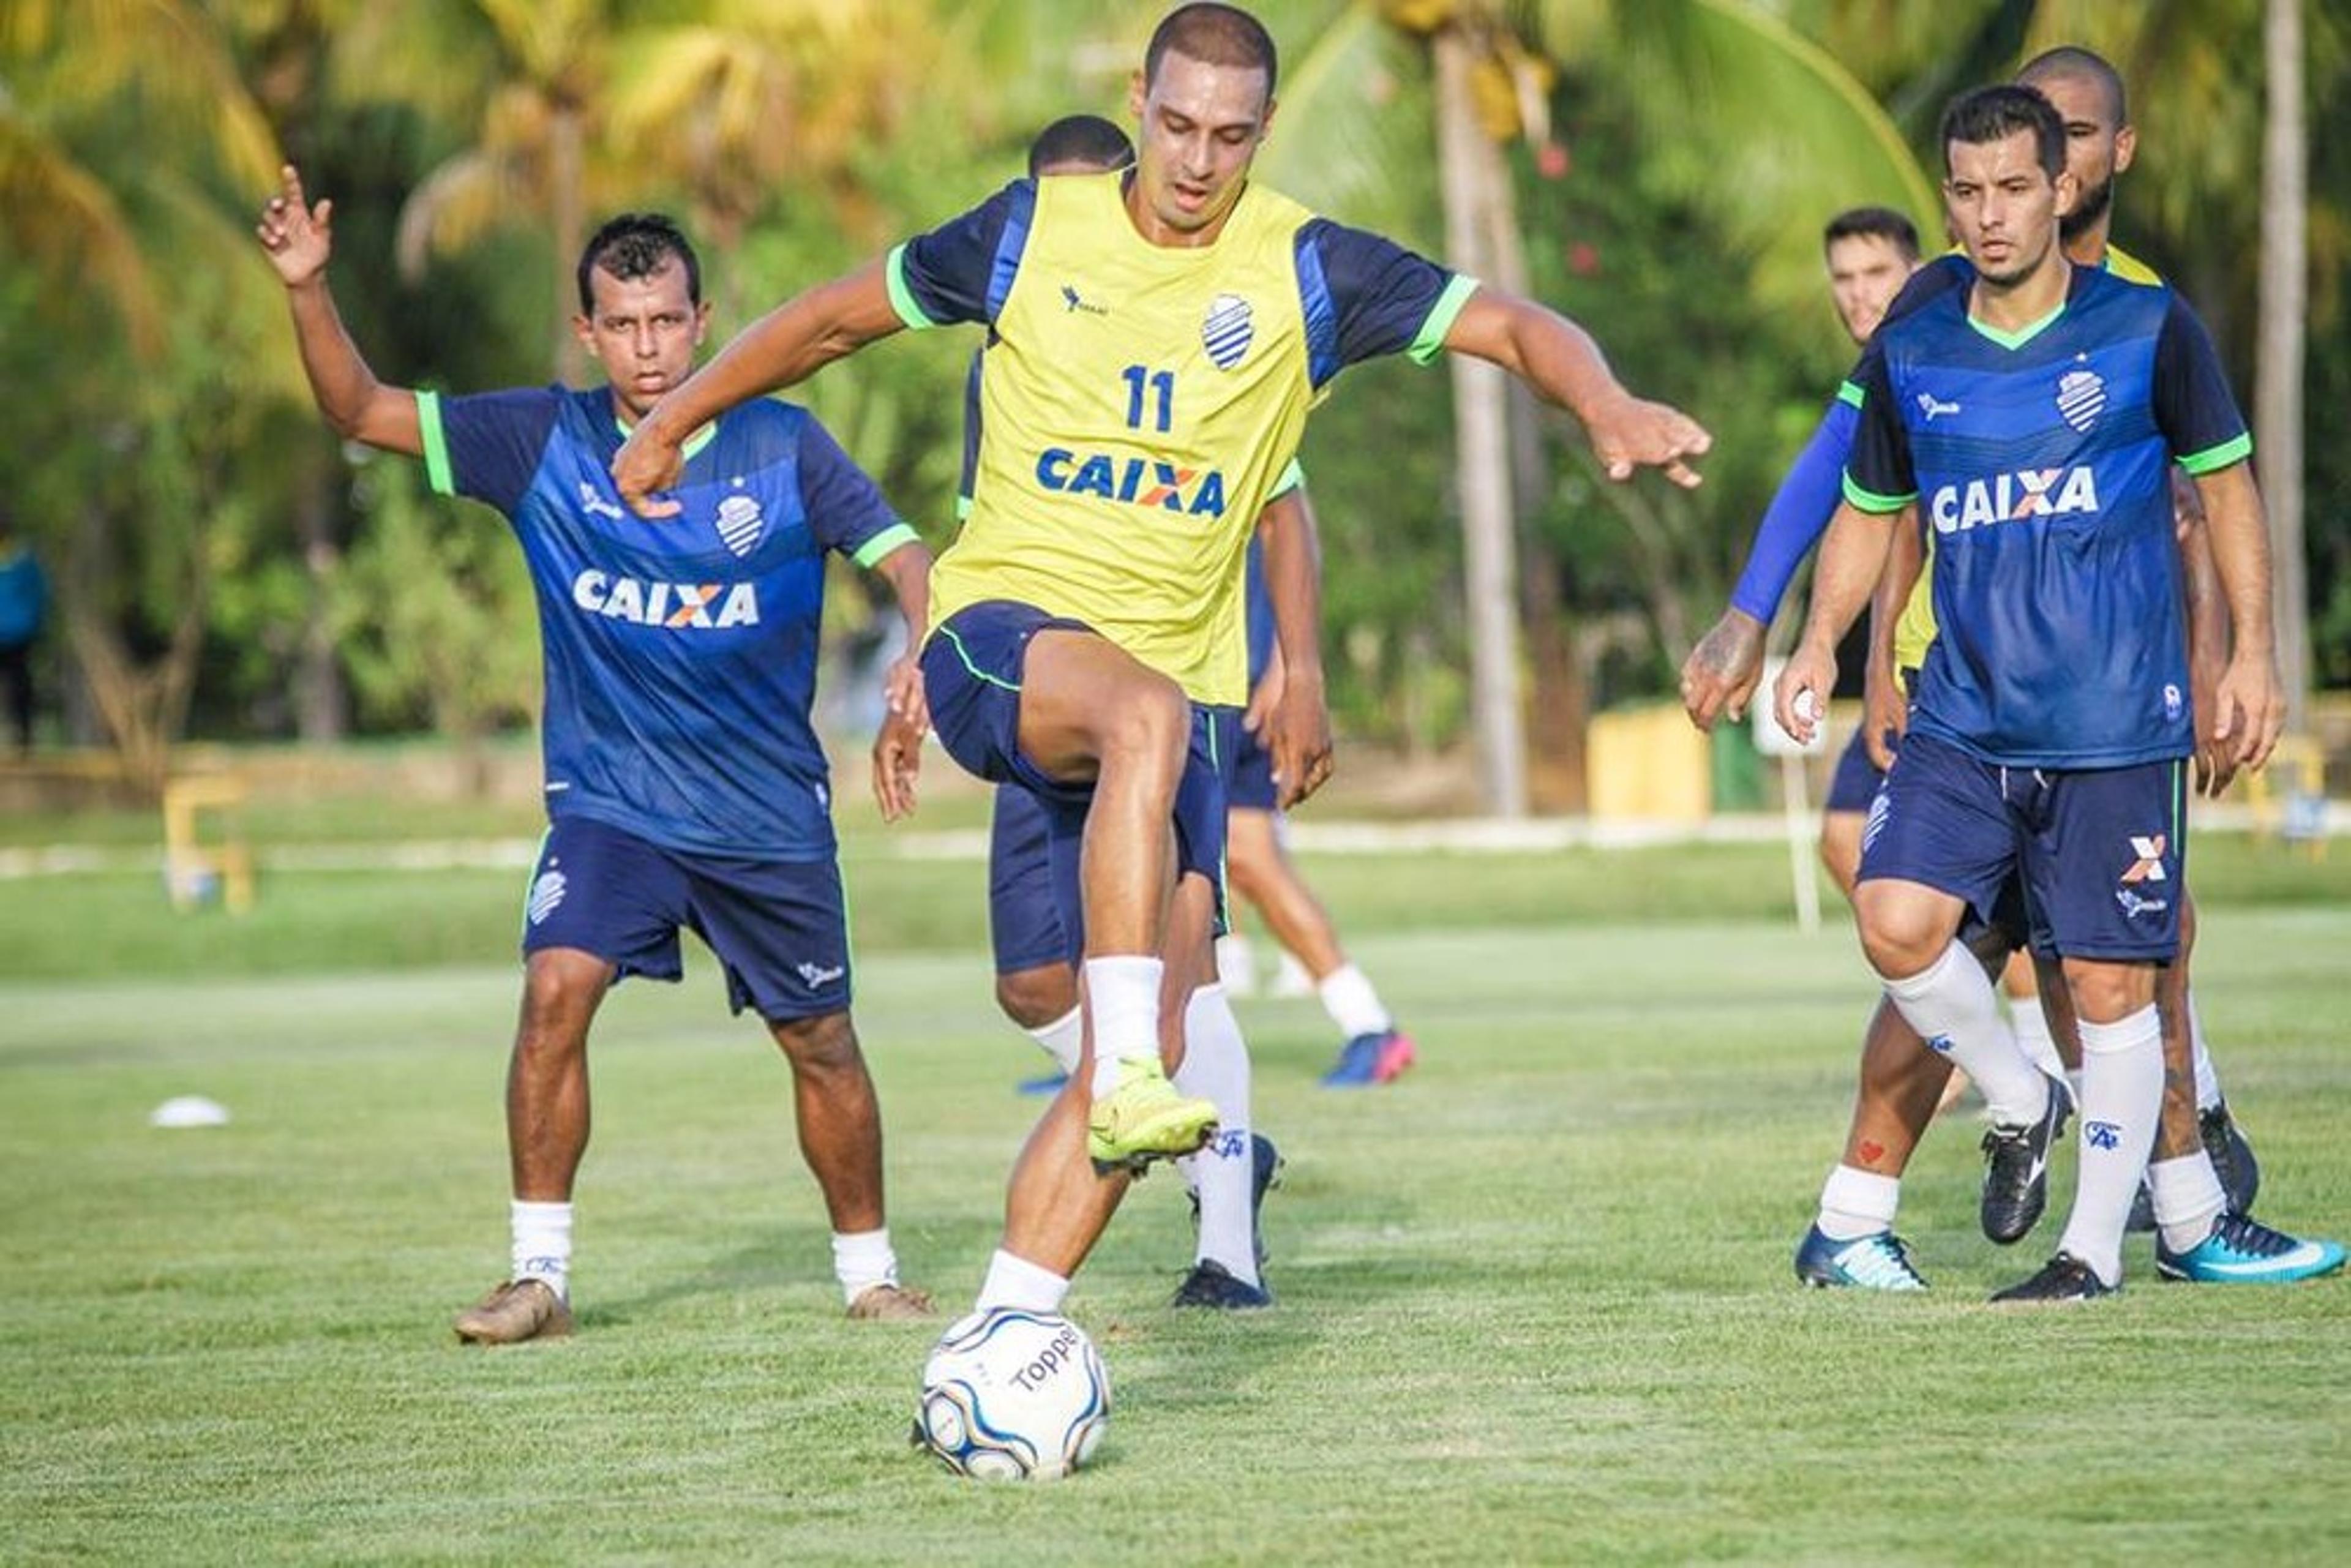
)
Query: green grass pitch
[{"x": 1535, "y": 1301}]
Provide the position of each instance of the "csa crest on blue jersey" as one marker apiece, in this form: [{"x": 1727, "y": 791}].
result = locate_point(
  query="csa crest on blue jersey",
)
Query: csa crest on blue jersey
[
  {"x": 2080, "y": 398},
  {"x": 1227, "y": 330},
  {"x": 741, "y": 523}
]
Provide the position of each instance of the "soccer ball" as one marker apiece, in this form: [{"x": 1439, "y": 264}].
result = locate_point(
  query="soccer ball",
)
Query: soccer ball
[{"x": 1011, "y": 1395}]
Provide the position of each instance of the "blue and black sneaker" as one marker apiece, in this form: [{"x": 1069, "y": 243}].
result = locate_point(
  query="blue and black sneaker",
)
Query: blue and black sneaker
[
  {"x": 1371, "y": 1059},
  {"x": 2016, "y": 1169},
  {"x": 2063, "y": 1278},
  {"x": 1212, "y": 1285},
  {"x": 2242, "y": 1251},
  {"x": 1879, "y": 1261},
  {"x": 2232, "y": 1156}
]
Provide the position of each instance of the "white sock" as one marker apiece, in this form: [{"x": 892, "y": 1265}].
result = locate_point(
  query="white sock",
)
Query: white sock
[
  {"x": 862, "y": 1259},
  {"x": 1857, "y": 1203},
  {"x": 1122, "y": 996},
  {"x": 1016, "y": 1282},
  {"x": 1217, "y": 1069},
  {"x": 1955, "y": 1009},
  {"x": 1063, "y": 1039},
  {"x": 2122, "y": 1098},
  {"x": 542, "y": 1244},
  {"x": 1236, "y": 965},
  {"x": 2208, "y": 1078},
  {"x": 2188, "y": 1198},
  {"x": 1352, "y": 1003},
  {"x": 2031, "y": 1027}
]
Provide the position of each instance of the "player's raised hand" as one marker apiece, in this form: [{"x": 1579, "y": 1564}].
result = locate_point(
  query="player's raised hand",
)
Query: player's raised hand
[
  {"x": 1721, "y": 674},
  {"x": 1629, "y": 432},
  {"x": 1804, "y": 685},
  {"x": 897, "y": 761},
  {"x": 298, "y": 236},
  {"x": 646, "y": 464}
]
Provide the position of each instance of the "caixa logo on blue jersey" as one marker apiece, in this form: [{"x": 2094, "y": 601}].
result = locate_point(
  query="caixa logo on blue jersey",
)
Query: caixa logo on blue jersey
[
  {"x": 674, "y": 606},
  {"x": 1137, "y": 481},
  {"x": 2006, "y": 497}
]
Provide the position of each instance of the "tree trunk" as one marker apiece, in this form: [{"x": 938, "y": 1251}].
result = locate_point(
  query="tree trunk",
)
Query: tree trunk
[
  {"x": 2277, "y": 398},
  {"x": 1469, "y": 170},
  {"x": 567, "y": 195},
  {"x": 322, "y": 701}
]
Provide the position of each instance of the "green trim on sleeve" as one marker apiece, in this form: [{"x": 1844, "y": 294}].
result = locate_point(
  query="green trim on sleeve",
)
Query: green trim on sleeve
[
  {"x": 1431, "y": 342},
  {"x": 882, "y": 543},
  {"x": 901, "y": 298},
  {"x": 1292, "y": 477},
  {"x": 436, "y": 444},
  {"x": 2214, "y": 458},
  {"x": 1848, "y": 392},
  {"x": 1872, "y": 502}
]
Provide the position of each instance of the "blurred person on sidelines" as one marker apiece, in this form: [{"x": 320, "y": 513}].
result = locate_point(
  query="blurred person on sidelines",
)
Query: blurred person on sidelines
[
  {"x": 685, "y": 788},
  {"x": 23, "y": 611}
]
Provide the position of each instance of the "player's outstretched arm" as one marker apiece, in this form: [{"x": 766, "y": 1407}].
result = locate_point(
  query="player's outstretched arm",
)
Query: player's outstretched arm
[
  {"x": 1298, "y": 728},
  {"x": 1852, "y": 559},
  {"x": 1560, "y": 360},
  {"x": 2250, "y": 701},
  {"x": 300, "y": 240},
  {"x": 787, "y": 345}
]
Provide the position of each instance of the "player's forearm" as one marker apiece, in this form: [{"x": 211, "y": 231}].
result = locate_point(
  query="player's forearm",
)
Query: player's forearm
[
  {"x": 1852, "y": 558},
  {"x": 2239, "y": 534},
  {"x": 1558, "y": 358},
  {"x": 1293, "y": 582},
  {"x": 2208, "y": 606},
  {"x": 908, "y": 571},
  {"x": 1798, "y": 514},
  {"x": 781, "y": 349},
  {"x": 358, "y": 406},
  {"x": 1906, "y": 555}
]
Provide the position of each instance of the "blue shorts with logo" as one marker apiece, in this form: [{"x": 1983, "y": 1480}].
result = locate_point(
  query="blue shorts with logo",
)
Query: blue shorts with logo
[
  {"x": 972, "y": 670},
  {"x": 2100, "y": 851},
  {"x": 781, "y": 928},
  {"x": 1854, "y": 783}
]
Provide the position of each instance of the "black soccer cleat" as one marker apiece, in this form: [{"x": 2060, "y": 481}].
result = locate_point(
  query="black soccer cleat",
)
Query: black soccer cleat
[
  {"x": 1211, "y": 1285},
  {"x": 2016, "y": 1169},
  {"x": 2232, "y": 1156},
  {"x": 2063, "y": 1278}
]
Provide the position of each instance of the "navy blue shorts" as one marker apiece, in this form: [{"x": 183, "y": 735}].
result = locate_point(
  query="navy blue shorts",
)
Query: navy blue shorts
[
  {"x": 1854, "y": 783},
  {"x": 2100, "y": 851},
  {"x": 1250, "y": 787},
  {"x": 1024, "y": 885},
  {"x": 780, "y": 927},
  {"x": 972, "y": 670}
]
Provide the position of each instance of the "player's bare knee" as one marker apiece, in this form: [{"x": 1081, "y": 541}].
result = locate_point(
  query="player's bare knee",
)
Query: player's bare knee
[
  {"x": 1033, "y": 998},
  {"x": 822, "y": 1045},
  {"x": 1152, "y": 728}
]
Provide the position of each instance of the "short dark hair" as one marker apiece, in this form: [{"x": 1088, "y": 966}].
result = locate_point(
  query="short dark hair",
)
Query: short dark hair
[
  {"x": 637, "y": 245},
  {"x": 1874, "y": 223},
  {"x": 1213, "y": 35},
  {"x": 1995, "y": 113},
  {"x": 2087, "y": 65},
  {"x": 1081, "y": 139}
]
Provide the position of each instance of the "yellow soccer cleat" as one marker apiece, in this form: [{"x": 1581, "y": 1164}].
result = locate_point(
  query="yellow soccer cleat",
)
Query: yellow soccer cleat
[{"x": 1144, "y": 1119}]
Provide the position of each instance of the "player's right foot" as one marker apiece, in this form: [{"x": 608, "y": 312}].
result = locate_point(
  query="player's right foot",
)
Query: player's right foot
[
  {"x": 1144, "y": 1119},
  {"x": 2063, "y": 1278},
  {"x": 1210, "y": 1284},
  {"x": 2016, "y": 1169},
  {"x": 1265, "y": 1175},
  {"x": 2232, "y": 1156},
  {"x": 517, "y": 1311},
  {"x": 1875, "y": 1262},
  {"x": 1369, "y": 1058},
  {"x": 2242, "y": 1251}
]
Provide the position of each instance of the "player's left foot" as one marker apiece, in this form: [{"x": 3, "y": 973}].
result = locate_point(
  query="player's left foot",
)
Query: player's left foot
[
  {"x": 2242, "y": 1251},
  {"x": 1210, "y": 1284},
  {"x": 1265, "y": 1175},
  {"x": 1145, "y": 1119},
  {"x": 1369, "y": 1058},
  {"x": 1875, "y": 1262},
  {"x": 891, "y": 1303},
  {"x": 2063, "y": 1278},
  {"x": 2232, "y": 1156},
  {"x": 2016, "y": 1169}
]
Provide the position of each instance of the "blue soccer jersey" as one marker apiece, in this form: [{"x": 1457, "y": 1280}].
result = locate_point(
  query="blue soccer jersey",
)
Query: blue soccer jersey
[
  {"x": 2040, "y": 460},
  {"x": 681, "y": 653}
]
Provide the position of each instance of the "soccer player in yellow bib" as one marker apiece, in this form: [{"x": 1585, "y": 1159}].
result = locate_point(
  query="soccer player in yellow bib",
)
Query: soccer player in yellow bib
[{"x": 1157, "y": 339}]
